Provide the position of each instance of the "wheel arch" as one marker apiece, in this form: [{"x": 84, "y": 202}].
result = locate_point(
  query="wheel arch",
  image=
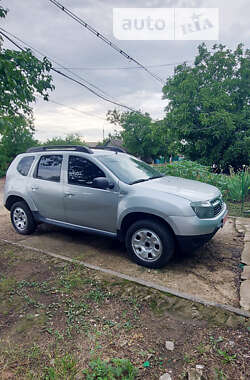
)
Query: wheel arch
[
  {"x": 13, "y": 199},
  {"x": 132, "y": 217}
]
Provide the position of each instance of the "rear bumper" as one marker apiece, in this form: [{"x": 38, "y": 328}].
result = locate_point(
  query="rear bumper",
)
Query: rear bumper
[{"x": 190, "y": 243}]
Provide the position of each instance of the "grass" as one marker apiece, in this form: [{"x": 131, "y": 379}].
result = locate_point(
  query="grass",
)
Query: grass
[
  {"x": 74, "y": 323},
  {"x": 110, "y": 370},
  {"x": 7, "y": 285},
  {"x": 235, "y": 208},
  {"x": 63, "y": 368}
]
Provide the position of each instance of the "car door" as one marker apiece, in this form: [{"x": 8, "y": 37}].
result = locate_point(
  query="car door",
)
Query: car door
[
  {"x": 84, "y": 204},
  {"x": 46, "y": 187}
]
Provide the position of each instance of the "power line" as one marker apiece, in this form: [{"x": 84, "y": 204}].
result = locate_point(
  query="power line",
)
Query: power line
[
  {"x": 92, "y": 68},
  {"x": 104, "y": 39},
  {"x": 126, "y": 67},
  {"x": 94, "y": 92},
  {"x": 76, "y": 81},
  {"x": 52, "y": 60},
  {"x": 75, "y": 109}
]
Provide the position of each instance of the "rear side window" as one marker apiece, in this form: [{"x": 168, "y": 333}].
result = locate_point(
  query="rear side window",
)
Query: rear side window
[
  {"x": 24, "y": 165},
  {"x": 49, "y": 168}
]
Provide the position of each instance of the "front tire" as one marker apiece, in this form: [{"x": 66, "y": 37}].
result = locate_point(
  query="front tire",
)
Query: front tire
[
  {"x": 22, "y": 218},
  {"x": 149, "y": 243}
]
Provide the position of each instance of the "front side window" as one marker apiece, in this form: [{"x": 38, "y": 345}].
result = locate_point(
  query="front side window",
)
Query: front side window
[
  {"x": 82, "y": 171},
  {"x": 129, "y": 169},
  {"x": 49, "y": 168},
  {"x": 24, "y": 165}
]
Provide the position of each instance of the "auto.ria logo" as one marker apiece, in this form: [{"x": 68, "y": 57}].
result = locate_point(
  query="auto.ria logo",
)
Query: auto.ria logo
[{"x": 166, "y": 23}]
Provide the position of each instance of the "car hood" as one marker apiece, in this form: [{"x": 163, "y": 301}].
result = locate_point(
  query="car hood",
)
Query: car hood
[{"x": 185, "y": 188}]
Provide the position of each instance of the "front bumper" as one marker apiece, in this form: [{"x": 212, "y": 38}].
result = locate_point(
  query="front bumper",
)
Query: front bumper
[
  {"x": 190, "y": 243},
  {"x": 193, "y": 226}
]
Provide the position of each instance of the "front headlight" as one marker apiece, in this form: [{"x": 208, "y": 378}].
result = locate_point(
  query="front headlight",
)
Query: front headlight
[{"x": 203, "y": 209}]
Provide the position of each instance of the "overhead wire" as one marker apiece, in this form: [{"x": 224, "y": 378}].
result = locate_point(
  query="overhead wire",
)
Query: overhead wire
[
  {"x": 126, "y": 67},
  {"x": 75, "y": 109},
  {"x": 92, "y": 68},
  {"x": 53, "y": 60},
  {"x": 76, "y": 81},
  {"x": 104, "y": 39}
]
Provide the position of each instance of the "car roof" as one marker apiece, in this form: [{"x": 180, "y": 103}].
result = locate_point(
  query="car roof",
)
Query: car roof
[
  {"x": 102, "y": 152},
  {"x": 99, "y": 150}
]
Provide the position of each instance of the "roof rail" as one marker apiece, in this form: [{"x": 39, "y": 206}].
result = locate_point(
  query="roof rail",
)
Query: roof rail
[
  {"x": 112, "y": 148},
  {"x": 76, "y": 148}
]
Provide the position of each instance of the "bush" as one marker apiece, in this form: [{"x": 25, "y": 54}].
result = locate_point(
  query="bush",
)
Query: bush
[
  {"x": 2, "y": 173},
  {"x": 3, "y": 164},
  {"x": 230, "y": 185}
]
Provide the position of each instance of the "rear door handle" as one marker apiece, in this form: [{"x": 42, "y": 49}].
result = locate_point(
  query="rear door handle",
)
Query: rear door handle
[
  {"x": 68, "y": 195},
  {"x": 34, "y": 188}
]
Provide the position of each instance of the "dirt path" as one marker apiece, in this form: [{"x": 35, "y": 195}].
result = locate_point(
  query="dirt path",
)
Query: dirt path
[{"x": 212, "y": 272}]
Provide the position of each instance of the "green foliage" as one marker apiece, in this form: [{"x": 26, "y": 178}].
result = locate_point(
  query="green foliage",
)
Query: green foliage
[
  {"x": 3, "y": 12},
  {"x": 64, "y": 368},
  {"x": 115, "y": 369},
  {"x": 219, "y": 374},
  {"x": 70, "y": 139},
  {"x": 227, "y": 358},
  {"x": 17, "y": 137},
  {"x": 209, "y": 106},
  {"x": 3, "y": 164},
  {"x": 141, "y": 136},
  {"x": 22, "y": 77},
  {"x": 230, "y": 185}
]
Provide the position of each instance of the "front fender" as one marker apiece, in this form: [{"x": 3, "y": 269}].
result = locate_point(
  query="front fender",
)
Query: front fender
[
  {"x": 146, "y": 210},
  {"x": 160, "y": 206}
]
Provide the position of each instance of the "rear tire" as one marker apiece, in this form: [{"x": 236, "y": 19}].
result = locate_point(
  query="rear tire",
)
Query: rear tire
[
  {"x": 22, "y": 218},
  {"x": 149, "y": 243}
]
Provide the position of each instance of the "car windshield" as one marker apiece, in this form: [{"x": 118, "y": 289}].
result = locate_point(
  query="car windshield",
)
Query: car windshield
[{"x": 129, "y": 169}]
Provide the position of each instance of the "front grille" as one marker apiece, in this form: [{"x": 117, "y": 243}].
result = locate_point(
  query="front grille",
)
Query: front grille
[{"x": 217, "y": 206}]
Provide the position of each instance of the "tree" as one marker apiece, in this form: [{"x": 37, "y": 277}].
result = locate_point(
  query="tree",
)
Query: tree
[
  {"x": 140, "y": 134},
  {"x": 22, "y": 78},
  {"x": 17, "y": 137},
  {"x": 3, "y": 12},
  {"x": 70, "y": 139},
  {"x": 209, "y": 106}
]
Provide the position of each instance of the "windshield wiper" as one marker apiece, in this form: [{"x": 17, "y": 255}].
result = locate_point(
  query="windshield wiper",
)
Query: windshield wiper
[
  {"x": 146, "y": 179},
  {"x": 157, "y": 176},
  {"x": 139, "y": 180}
]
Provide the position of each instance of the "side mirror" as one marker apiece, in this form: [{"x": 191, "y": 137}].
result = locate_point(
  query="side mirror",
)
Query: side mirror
[{"x": 102, "y": 183}]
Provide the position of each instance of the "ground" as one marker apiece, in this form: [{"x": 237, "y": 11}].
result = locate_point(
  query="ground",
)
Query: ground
[
  {"x": 58, "y": 319},
  {"x": 55, "y": 318}
]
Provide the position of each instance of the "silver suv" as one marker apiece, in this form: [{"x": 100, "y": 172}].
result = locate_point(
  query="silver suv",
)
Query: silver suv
[{"x": 109, "y": 192}]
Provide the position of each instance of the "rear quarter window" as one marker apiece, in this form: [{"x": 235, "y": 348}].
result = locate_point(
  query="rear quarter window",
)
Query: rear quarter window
[{"x": 24, "y": 165}]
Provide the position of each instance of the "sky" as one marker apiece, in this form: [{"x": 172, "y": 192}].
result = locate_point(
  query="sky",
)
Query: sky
[{"x": 48, "y": 29}]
